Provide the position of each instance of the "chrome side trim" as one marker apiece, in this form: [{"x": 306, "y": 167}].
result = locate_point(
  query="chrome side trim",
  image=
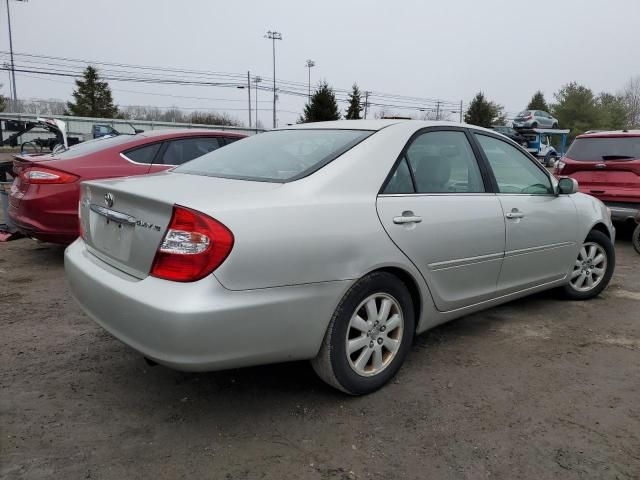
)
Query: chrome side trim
[
  {"x": 477, "y": 194},
  {"x": 460, "y": 262},
  {"x": 524, "y": 251},
  {"x": 112, "y": 215},
  {"x": 139, "y": 163}
]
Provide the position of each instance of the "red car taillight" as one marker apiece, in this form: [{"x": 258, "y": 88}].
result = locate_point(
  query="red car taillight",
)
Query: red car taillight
[
  {"x": 44, "y": 175},
  {"x": 193, "y": 246}
]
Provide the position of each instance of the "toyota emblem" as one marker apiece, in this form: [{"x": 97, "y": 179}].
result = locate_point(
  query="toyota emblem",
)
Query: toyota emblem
[{"x": 108, "y": 200}]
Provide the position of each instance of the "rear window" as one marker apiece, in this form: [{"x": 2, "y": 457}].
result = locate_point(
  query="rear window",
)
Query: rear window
[
  {"x": 600, "y": 148},
  {"x": 277, "y": 156},
  {"x": 92, "y": 146}
]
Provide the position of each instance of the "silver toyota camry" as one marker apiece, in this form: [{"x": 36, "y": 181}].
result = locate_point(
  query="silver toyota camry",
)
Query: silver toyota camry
[{"x": 336, "y": 242}]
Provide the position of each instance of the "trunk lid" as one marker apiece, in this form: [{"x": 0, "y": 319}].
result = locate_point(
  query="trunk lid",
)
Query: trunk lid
[{"x": 124, "y": 220}]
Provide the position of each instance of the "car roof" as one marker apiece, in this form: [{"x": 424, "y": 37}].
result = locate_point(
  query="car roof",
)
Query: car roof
[
  {"x": 188, "y": 132},
  {"x": 611, "y": 134},
  {"x": 376, "y": 125}
]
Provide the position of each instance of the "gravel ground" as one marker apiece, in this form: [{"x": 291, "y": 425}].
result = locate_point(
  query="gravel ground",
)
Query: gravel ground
[{"x": 538, "y": 389}]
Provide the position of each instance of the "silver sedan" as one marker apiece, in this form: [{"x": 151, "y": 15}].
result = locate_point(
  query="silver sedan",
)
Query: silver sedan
[{"x": 336, "y": 242}]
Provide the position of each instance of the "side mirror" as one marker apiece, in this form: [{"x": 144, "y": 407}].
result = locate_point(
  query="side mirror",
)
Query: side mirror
[{"x": 567, "y": 186}]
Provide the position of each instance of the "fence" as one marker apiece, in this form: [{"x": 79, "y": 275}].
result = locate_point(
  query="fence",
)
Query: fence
[{"x": 81, "y": 127}]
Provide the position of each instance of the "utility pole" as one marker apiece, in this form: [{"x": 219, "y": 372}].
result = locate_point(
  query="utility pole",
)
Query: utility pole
[
  {"x": 256, "y": 81},
  {"x": 249, "y": 96},
  {"x": 273, "y": 36},
  {"x": 438, "y": 110},
  {"x": 366, "y": 103},
  {"x": 310, "y": 64},
  {"x": 14, "y": 91},
  {"x": 460, "y": 111}
]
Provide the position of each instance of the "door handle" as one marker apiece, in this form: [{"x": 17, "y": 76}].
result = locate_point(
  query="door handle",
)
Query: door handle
[
  {"x": 407, "y": 217},
  {"x": 514, "y": 214}
]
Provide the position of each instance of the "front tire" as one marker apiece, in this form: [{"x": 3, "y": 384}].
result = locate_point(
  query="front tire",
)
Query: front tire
[
  {"x": 369, "y": 335},
  {"x": 635, "y": 238},
  {"x": 593, "y": 268}
]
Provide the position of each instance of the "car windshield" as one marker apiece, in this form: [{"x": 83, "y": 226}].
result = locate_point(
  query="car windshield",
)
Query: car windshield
[
  {"x": 276, "y": 156},
  {"x": 523, "y": 113},
  {"x": 92, "y": 146},
  {"x": 604, "y": 148}
]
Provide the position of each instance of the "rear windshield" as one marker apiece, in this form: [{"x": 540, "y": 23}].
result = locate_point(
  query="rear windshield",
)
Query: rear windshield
[
  {"x": 277, "y": 156},
  {"x": 92, "y": 146},
  {"x": 599, "y": 148}
]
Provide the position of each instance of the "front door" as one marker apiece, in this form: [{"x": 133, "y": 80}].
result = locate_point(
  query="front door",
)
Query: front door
[
  {"x": 437, "y": 210},
  {"x": 541, "y": 227}
]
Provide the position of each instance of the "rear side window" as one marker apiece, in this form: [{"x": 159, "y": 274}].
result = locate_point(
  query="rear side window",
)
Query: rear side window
[
  {"x": 514, "y": 171},
  {"x": 276, "y": 156},
  {"x": 144, "y": 154},
  {"x": 185, "y": 149},
  {"x": 597, "y": 149}
]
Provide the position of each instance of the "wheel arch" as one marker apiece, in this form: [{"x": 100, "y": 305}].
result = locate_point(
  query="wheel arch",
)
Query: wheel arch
[
  {"x": 601, "y": 227},
  {"x": 412, "y": 285}
]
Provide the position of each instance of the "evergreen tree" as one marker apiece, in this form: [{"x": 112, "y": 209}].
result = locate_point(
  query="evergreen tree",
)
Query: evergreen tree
[
  {"x": 538, "y": 102},
  {"x": 576, "y": 108},
  {"x": 613, "y": 111},
  {"x": 322, "y": 106},
  {"x": 484, "y": 113},
  {"x": 92, "y": 97},
  {"x": 355, "y": 107},
  {"x": 3, "y": 101}
]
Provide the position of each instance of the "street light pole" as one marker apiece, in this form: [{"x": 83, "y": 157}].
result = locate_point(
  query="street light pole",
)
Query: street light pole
[
  {"x": 310, "y": 64},
  {"x": 273, "y": 36},
  {"x": 14, "y": 92},
  {"x": 256, "y": 81},
  {"x": 249, "y": 95}
]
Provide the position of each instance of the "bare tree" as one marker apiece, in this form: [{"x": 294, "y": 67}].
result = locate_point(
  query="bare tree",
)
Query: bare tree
[{"x": 631, "y": 98}]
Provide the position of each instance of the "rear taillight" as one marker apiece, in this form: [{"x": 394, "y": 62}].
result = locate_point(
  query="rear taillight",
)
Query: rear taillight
[
  {"x": 43, "y": 175},
  {"x": 529, "y": 117},
  {"x": 193, "y": 246}
]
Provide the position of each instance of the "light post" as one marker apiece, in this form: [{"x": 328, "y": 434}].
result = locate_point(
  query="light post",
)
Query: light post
[
  {"x": 309, "y": 65},
  {"x": 256, "y": 81},
  {"x": 14, "y": 91},
  {"x": 273, "y": 36}
]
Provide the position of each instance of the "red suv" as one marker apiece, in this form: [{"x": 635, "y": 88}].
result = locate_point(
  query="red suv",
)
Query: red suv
[
  {"x": 43, "y": 202},
  {"x": 607, "y": 166}
]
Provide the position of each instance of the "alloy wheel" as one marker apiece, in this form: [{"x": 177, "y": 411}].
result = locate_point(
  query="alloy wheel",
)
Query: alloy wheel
[
  {"x": 589, "y": 267},
  {"x": 374, "y": 334}
]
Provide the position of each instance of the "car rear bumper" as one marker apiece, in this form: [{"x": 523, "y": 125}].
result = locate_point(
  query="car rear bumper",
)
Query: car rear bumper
[
  {"x": 201, "y": 325},
  {"x": 623, "y": 214},
  {"x": 47, "y": 212}
]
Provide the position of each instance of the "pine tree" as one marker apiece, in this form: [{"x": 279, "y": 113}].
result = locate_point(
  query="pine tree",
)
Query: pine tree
[
  {"x": 355, "y": 106},
  {"x": 481, "y": 112},
  {"x": 538, "y": 102},
  {"x": 92, "y": 97},
  {"x": 322, "y": 106}
]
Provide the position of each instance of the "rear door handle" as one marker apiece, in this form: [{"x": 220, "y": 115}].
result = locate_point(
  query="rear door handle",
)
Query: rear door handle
[
  {"x": 515, "y": 213},
  {"x": 407, "y": 217}
]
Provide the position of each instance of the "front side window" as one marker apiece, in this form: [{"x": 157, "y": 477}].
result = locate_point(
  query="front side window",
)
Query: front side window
[
  {"x": 276, "y": 156},
  {"x": 185, "y": 149},
  {"x": 514, "y": 171},
  {"x": 144, "y": 154}
]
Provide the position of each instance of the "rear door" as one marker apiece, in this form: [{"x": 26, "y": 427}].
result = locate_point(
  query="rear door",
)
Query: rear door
[
  {"x": 541, "y": 227},
  {"x": 439, "y": 210}
]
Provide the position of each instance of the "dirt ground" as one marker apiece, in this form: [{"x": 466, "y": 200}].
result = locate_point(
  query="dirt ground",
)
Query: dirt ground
[{"x": 539, "y": 388}]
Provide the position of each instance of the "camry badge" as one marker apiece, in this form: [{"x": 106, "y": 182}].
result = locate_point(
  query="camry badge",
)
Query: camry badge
[{"x": 108, "y": 200}]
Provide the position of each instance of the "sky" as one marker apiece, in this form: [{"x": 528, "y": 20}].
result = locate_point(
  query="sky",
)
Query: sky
[{"x": 446, "y": 50}]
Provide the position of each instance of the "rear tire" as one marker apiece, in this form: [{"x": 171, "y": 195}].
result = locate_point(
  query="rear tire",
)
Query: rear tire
[
  {"x": 593, "y": 267},
  {"x": 369, "y": 335},
  {"x": 554, "y": 126},
  {"x": 534, "y": 125},
  {"x": 635, "y": 238}
]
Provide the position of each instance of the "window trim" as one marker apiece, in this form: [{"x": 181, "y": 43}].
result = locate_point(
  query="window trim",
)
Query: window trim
[
  {"x": 531, "y": 158},
  {"x": 488, "y": 180},
  {"x": 123, "y": 153}
]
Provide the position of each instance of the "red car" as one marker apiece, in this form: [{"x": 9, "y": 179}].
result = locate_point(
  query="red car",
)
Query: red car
[
  {"x": 607, "y": 166},
  {"x": 43, "y": 202}
]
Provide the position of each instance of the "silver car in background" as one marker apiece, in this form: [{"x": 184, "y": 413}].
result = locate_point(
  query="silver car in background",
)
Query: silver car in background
[
  {"x": 534, "y": 119},
  {"x": 335, "y": 242}
]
